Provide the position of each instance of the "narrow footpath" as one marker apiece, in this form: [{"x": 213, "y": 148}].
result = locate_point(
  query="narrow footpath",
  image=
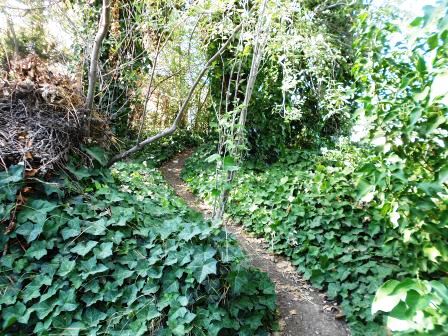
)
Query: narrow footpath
[{"x": 303, "y": 310}]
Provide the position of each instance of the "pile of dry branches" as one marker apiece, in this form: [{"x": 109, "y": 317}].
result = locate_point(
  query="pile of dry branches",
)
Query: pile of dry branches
[{"x": 41, "y": 116}]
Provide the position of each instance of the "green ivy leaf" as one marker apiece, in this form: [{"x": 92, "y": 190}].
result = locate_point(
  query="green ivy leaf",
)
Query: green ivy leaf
[
  {"x": 66, "y": 267},
  {"x": 91, "y": 267},
  {"x": 37, "y": 250},
  {"x": 44, "y": 308},
  {"x": 98, "y": 154},
  {"x": 32, "y": 290},
  {"x": 36, "y": 211},
  {"x": 84, "y": 247},
  {"x": 30, "y": 230},
  {"x": 80, "y": 173},
  {"x": 202, "y": 267},
  {"x": 92, "y": 316},
  {"x": 73, "y": 229},
  {"x": 103, "y": 251},
  {"x": 14, "y": 313}
]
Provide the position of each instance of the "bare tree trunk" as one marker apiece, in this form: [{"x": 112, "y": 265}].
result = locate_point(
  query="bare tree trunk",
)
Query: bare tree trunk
[
  {"x": 259, "y": 48},
  {"x": 14, "y": 36},
  {"x": 11, "y": 33},
  {"x": 103, "y": 27},
  {"x": 149, "y": 90},
  {"x": 182, "y": 109}
]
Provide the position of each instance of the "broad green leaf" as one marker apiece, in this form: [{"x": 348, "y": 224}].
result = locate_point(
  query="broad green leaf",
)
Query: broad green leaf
[
  {"x": 66, "y": 267},
  {"x": 98, "y": 154},
  {"x": 37, "y": 250},
  {"x": 14, "y": 174},
  {"x": 91, "y": 267},
  {"x": 36, "y": 211},
  {"x": 92, "y": 316},
  {"x": 384, "y": 299},
  {"x": 44, "y": 308},
  {"x": 122, "y": 215},
  {"x": 169, "y": 226},
  {"x": 11, "y": 181},
  {"x": 32, "y": 290},
  {"x": 73, "y": 228},
  {"x": 30, "y": 230},
  {"x": 433, "y": 41},
  {"x": 67, "y": 300},
  {"x": 96, "y": 228},
  {"x": 103, "y": 251},
  {"x": 421, "y": 64},
  {"x": 79, "y": 173},
  {"x": 202, "y": 268},
  {"x": 14, "y": 313},
  {"x": 189, "y": 231},
  {"x": 84, "y": 247}
]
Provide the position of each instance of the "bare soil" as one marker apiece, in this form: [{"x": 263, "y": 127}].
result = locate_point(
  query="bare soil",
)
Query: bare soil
[{"x": 303, "y": 310}]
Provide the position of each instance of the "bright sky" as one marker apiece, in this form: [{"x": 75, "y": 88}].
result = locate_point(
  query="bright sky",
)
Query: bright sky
[
  {"x": 57, "y": 32},
  {"x": 16, "y": 10},
  {"x": 413, "y": 6}
]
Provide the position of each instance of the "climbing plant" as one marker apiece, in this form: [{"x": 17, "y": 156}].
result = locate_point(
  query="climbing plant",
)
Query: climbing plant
[{"x": 306, "y": 207}]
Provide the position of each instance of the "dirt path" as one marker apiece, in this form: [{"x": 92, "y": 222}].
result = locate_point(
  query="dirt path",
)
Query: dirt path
[{"x": 303, "y": 311}]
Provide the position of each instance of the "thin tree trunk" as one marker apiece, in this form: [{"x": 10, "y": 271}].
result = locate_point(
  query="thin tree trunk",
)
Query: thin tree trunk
[
  {"x": 103, "y": 27},
  {"x": 260, "y": 44},
  {"x": 183, "y": 108},
  {"x": 151, "y": 90},
  {"x": 14, "y": 36}
]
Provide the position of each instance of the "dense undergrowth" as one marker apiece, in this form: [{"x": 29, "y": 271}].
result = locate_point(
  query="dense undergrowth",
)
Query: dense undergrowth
[
  {"x": 125, "y": 256},
  {"x": 365, "y": 222},
  {"x": 164, "y": 149},
  {"x": 308, "y": 205}
]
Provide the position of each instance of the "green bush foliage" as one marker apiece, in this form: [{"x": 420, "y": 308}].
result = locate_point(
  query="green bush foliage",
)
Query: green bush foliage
[
  {"x": 166, "y": 148},
  {"x": 368, "y": 226},
  {"x": 310, "y": 207},
  {"x": 402, "y": 93},
  {"x": 301, "y": 93},
  {"x": 126, "y": 257}
]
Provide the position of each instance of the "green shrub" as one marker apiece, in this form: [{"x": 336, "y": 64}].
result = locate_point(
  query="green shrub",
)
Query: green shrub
[
  {"x": 127, "y": 258},
  {"x": 357, "y": 224},
  {"x": 401, "y": 71}
]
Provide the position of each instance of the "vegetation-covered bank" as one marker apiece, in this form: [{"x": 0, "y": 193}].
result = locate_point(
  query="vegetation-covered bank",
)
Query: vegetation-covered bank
[
  {"x": 366, "y": 221},
  {"x": 124, "y": 256},
  {"x": 309, "y": 207},
  {"x": 306, "y": 207},
  {"x": 277, "y": 87}
]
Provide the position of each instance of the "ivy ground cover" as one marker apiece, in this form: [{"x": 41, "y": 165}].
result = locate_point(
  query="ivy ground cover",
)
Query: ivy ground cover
[
  {"x": 125, "y": 257},
  {"x": 310, "y": 207}
]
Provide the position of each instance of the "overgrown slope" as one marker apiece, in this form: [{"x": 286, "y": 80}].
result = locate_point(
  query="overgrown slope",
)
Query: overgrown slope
[
  {"x": 308, "y": 207},
  {"x": 125, "y": 257}
]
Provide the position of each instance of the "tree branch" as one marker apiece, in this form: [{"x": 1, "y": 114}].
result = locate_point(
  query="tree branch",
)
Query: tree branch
[
  {"x": 93, "y": 70},
  {"x": 183, "y": 108}
]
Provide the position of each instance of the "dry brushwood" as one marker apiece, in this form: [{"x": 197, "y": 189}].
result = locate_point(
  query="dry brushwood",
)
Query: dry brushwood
[{"x": 41, "y": 116}]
